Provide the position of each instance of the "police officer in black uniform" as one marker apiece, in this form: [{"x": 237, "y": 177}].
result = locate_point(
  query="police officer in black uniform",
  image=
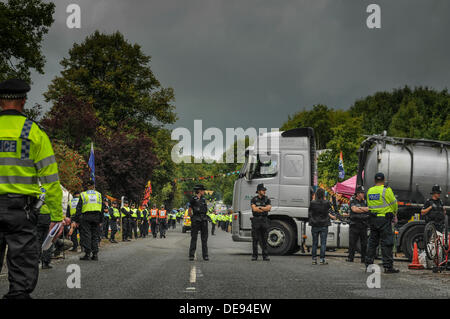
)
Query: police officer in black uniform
[
  {"x": 434, "y": 210},
  {"x": 358, "y": 224},
  {"x": 144, "y": 224},
  {"x": 199, "y": 220},
  {"x": 260, "y": 222}
]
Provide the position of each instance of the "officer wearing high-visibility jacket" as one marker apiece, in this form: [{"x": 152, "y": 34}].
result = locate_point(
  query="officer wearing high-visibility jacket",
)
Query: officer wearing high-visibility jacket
[
  {"x": 88, "y": 217},
  {"x": 115, "y": 218},
  {"x": 154, "y": 221},
  {"x": 383, "y": 210},
  {"x": 125, "y": 214},
  {"x": 133, "y": 221},
  {"x": 26, "y": 158},
  {"x": 213, "y": 218},
  {"x": 162, "y": 221},
  {"x": 71, "y": 211},
  {"x": 144, "y": 225}
]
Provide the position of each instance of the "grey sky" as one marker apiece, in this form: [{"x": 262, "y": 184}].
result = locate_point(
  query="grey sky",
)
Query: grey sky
[{"x": 248, "y": 63}]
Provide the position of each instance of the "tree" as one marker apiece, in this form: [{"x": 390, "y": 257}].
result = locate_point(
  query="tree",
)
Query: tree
[
  {"x": 23, "y": 24},
  {"x": 320, "y": 118},
  {"x": 124, "y": 162},
  {"x": 115, "y": 77},
  {"x": 347, "y": 138},
  {"x": 71, "y": 166},
  {"x": 71, "y": 121}
]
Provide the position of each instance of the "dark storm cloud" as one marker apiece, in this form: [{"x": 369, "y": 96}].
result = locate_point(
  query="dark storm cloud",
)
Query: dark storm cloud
[{"x": 251, "y": 63}]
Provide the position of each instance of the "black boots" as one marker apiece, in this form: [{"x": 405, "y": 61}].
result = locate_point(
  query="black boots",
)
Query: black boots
[{"x": 86, "y": 257}]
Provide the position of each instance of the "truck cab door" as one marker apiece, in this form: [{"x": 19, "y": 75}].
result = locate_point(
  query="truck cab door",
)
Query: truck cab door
[{"x": 263, "y": 169}]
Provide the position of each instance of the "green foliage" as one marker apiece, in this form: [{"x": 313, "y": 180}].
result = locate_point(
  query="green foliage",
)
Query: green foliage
[
  {"x": 417, "y": 113},
  {"x": 116, "y": 78},
  {"x": 346, "y": 138},
  {"x": 23, "y": 24}
]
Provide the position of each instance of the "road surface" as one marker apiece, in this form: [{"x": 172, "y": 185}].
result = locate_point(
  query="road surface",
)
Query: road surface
[{"x": 159, "y": 268}]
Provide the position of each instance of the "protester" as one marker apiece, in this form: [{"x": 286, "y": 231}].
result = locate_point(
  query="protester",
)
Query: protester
[{"x": 319, "y": 215}]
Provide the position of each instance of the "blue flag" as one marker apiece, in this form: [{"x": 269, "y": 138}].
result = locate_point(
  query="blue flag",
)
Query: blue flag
[
  {"x": 341, "y": 166},
  {"x": 91, "y": 163}
]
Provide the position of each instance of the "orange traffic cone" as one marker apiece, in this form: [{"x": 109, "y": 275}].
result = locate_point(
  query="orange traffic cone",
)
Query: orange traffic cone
[{"x": 415, "y": 262}]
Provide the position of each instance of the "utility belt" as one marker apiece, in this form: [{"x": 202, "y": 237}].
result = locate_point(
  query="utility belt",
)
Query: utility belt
[
  {"x": 28, "y": 203},
  {"x": 258, "y": 216},
  {"x": 389, "y": 216}
]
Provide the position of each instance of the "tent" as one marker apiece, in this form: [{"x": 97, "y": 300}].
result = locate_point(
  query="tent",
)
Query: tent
[{"x": 346, "y": 188}]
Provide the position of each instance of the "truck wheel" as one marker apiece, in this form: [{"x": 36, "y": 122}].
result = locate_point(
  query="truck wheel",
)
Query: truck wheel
[
  {"x": 183, "y": 230},
  {"x": 280, "y": 238},
  {"x": 412, "y": 235}
]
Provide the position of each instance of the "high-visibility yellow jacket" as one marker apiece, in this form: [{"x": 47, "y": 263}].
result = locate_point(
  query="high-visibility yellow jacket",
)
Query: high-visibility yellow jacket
[
  {"x": 27, "y": 158},
  {"x": 91, "y": 201},
  {"x": 381, "y": 200}
]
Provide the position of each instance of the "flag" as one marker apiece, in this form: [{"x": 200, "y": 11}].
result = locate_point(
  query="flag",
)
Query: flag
[
  {"x": 341, "y": 167},
  {"x": 91, "y": 163}
]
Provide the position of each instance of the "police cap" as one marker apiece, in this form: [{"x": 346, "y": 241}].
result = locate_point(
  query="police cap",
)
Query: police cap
[
  {"x": 260, "y": 187},
  {"x": 360, "y": 189},
  {"x": 379, "y": 176},
  {"x": 13, "y": 89},
  {"x": 436, "y": 189}
]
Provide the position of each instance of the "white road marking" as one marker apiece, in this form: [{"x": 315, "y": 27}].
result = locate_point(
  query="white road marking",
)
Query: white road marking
[{"x": 193, "y": 274}]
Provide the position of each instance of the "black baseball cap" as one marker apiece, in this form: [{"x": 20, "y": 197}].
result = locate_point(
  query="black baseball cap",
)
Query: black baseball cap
[
  {"x": 379, "y": 176},
  {"x": 260, "y": 187}
]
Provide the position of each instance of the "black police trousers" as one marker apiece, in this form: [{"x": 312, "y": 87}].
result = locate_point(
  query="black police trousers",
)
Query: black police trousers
[
  {"x": 105, "y": 226},
  {"x": 213, "y": 228},
  {"x": 259, "y": 235},
  {"x": 196, "y": 226},
  {"x": 126, "y": 229},
  {"x": 381, "y": 233},
  {"x": 90, "y": 232},
  {"x": 43, "y": 225},
  {"x": 144, "y": 228},
  {"x": 113, "y": 225},
  {"x": 19, "y": 233},
  {"x": 162, "y": 227},
  {"x": 133, "y": 228},
  {"x": 357, "y": 231},
  {"x": 153, "y": 227}
]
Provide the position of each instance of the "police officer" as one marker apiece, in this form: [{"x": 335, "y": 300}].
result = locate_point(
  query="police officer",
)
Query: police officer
[
  {"x": 261, "y": 207},
  {"x": 144, "y": 225},
  {"x": 115, "y": 218},
  {"x": 26, "y": 157},
  {"x": 162, "y": 221},
  {"x": 213, "y": 218},
  {"x": 125, "y": 214},
  {"x": 199, "y": 222},
  {"x": 133, "y": 221},
  {"x": 434, "y": 210},
  {"x": 154, "y": 221},
  {"x": 383, "y": 209},
  {"x": 106, "y": 217},
  {"x": 71, "y": 211},
  {"x": 88, "y": 217},
  {"x": 358, "y": 224}
]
